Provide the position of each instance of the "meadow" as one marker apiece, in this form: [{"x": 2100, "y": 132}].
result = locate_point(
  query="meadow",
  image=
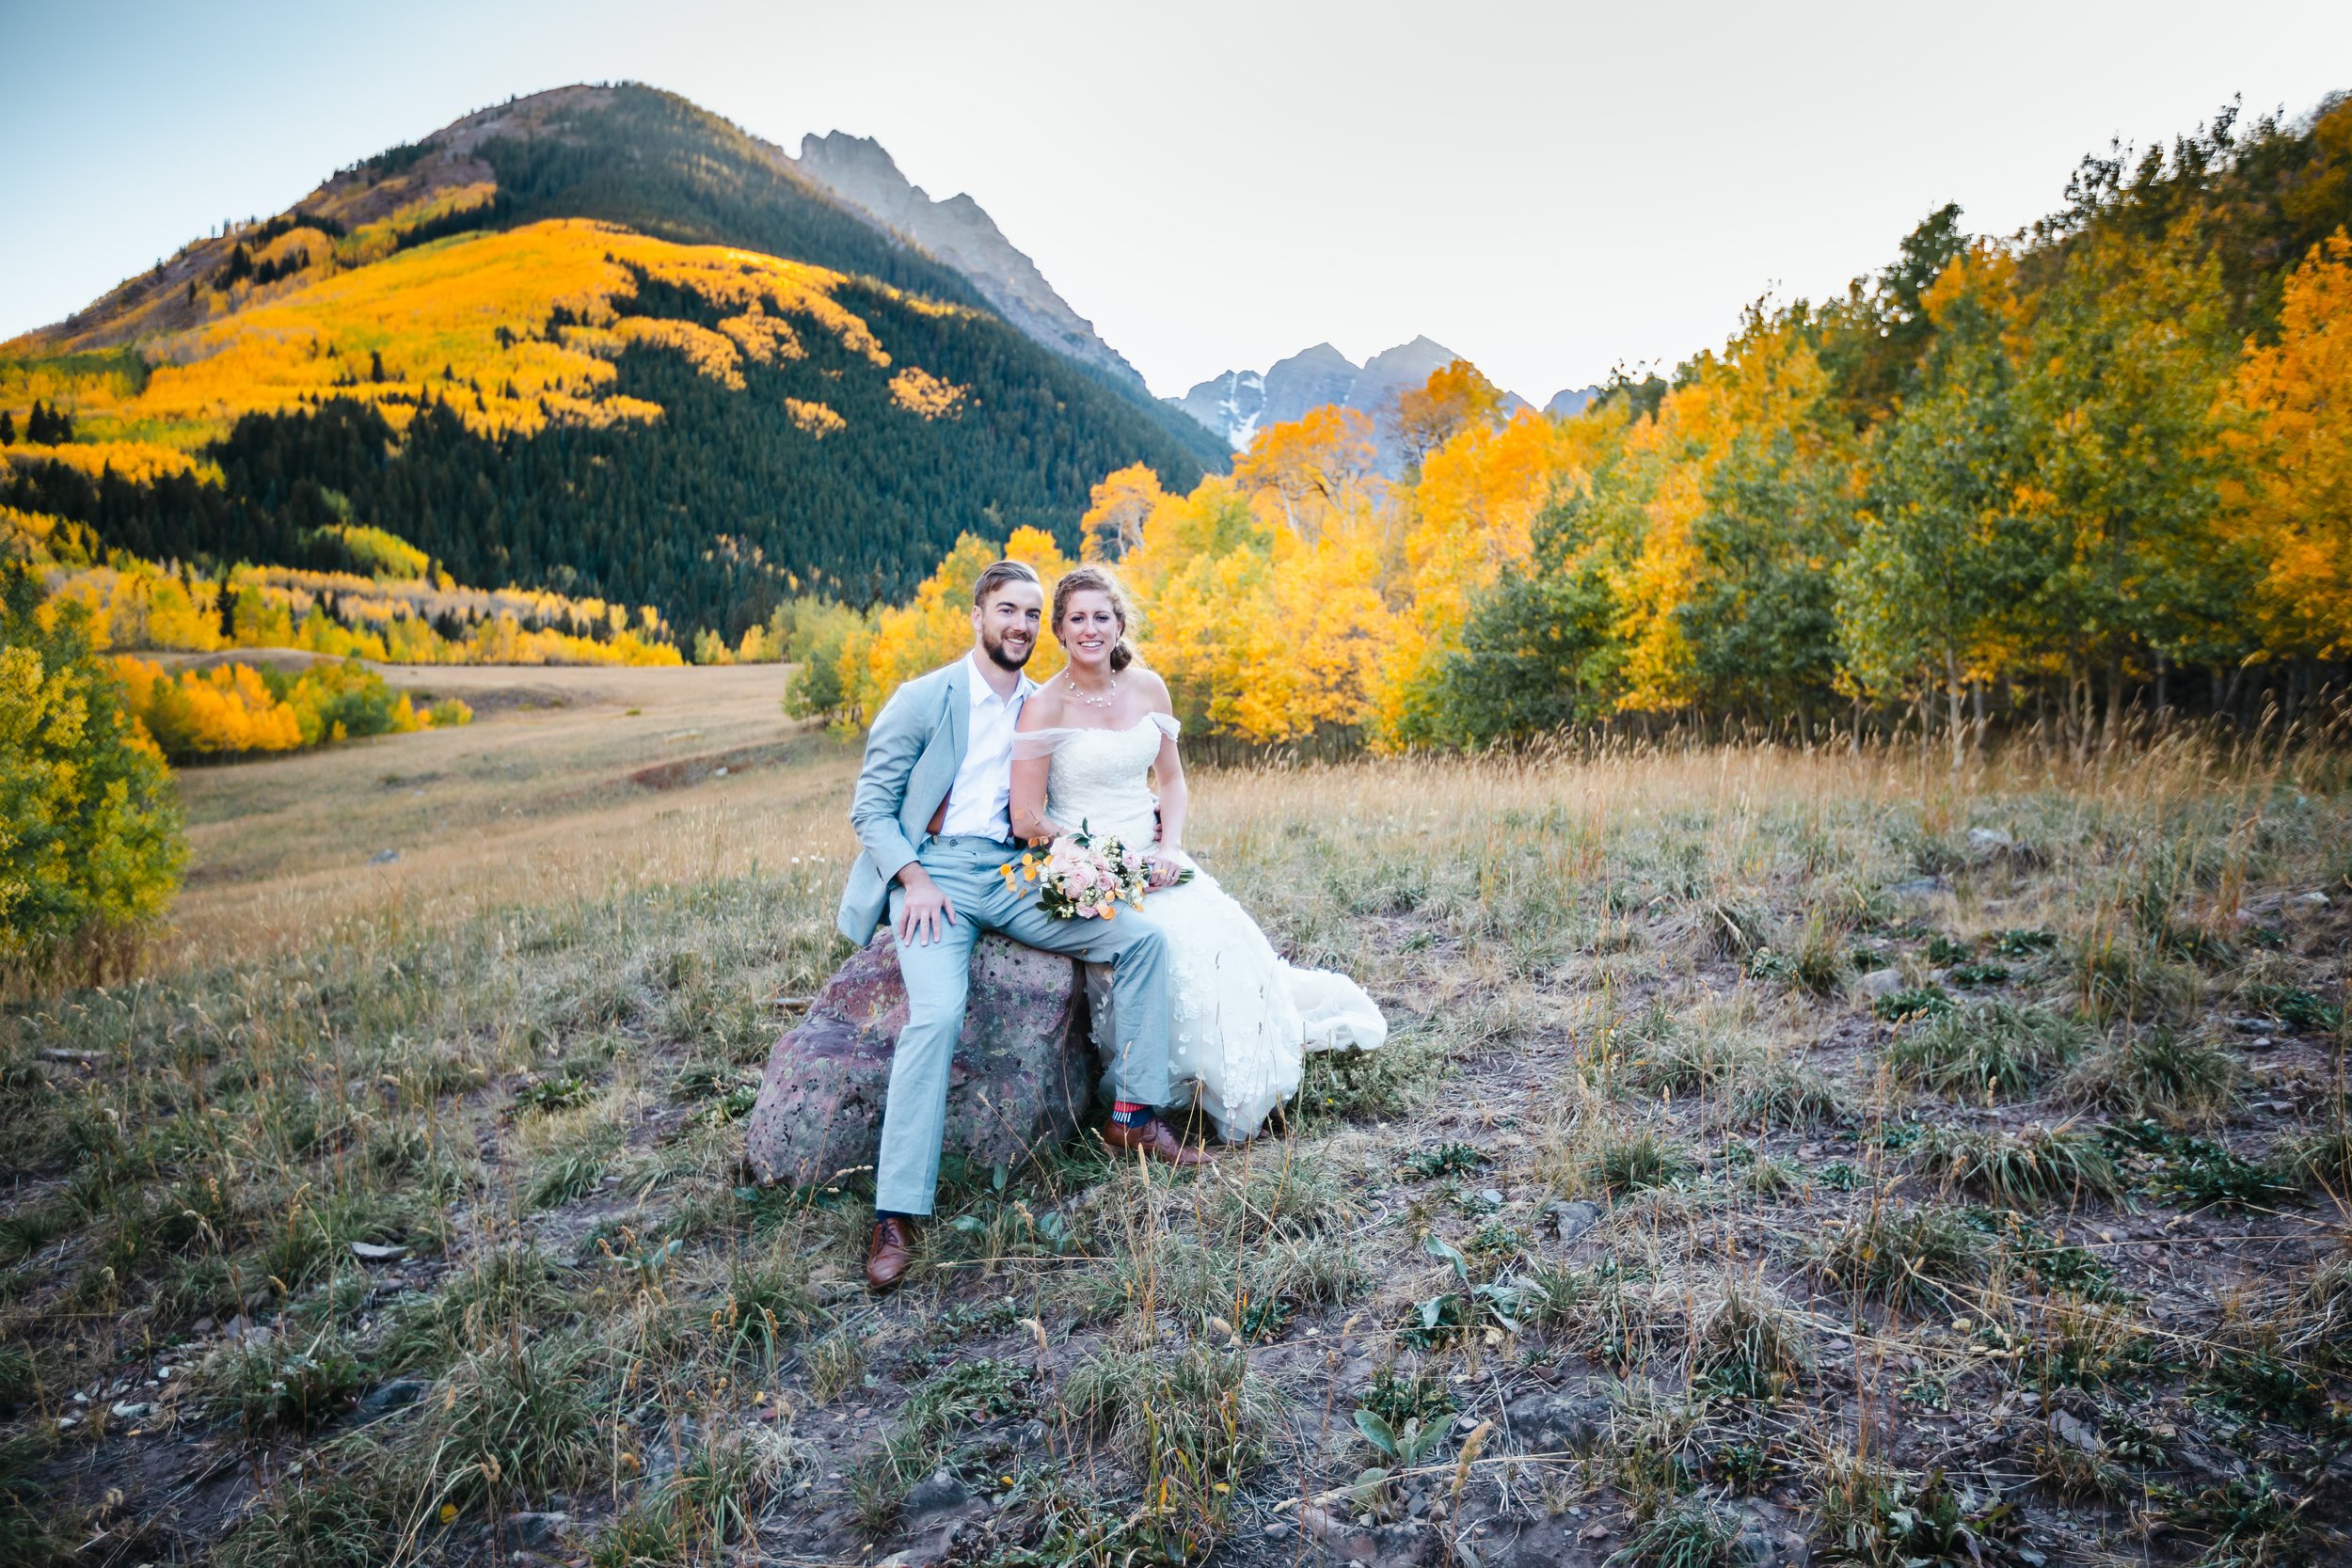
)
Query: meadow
[{"x": 1781, "y": 1155}]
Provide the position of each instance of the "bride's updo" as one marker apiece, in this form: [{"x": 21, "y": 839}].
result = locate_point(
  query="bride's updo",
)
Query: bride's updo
[{"x": 1080, "y": 580}]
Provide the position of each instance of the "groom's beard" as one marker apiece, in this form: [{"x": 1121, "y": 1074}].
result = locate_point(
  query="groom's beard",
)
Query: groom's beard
[{"x": 1006, "y": 658}]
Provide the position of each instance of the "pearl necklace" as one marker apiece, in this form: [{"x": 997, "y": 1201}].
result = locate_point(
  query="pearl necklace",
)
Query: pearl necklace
[{"x": 1109, "y": 696}]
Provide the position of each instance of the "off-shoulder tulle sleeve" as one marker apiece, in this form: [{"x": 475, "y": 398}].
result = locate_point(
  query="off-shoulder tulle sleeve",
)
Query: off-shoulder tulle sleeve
[{"x": 1029, "y": 745}]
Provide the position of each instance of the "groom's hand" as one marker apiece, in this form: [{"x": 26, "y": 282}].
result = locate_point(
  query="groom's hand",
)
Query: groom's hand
[{"x": 926, "y": 905}]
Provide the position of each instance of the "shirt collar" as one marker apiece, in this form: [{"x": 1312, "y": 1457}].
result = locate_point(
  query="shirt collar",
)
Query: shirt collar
[{"x": 977, "y": 680}]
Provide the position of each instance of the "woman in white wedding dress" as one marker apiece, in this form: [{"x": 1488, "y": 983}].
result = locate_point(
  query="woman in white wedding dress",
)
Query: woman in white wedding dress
[{"x": 1087, "y": 741}]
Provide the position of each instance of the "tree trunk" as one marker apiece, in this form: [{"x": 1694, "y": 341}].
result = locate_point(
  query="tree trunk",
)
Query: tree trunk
[
  {"x": 2115, "y": 693},
  {"x": 1953, "y": 700}
]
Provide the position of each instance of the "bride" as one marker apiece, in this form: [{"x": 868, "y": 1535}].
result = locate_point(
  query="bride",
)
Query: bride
[{"x": 1086, "y": 739}]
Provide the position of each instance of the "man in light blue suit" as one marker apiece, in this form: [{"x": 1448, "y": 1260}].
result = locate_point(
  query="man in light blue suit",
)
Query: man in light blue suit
[{"x": 932, "y": 810}]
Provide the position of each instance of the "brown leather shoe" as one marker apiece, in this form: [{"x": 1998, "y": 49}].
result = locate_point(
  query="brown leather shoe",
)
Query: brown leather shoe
[
  {"x": 1157, "y": 1141},
  {"x": 888, "y": 1252}
]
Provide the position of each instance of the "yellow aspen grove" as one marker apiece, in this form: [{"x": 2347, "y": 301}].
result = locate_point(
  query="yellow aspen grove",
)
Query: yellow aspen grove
[
  {"x": 1314, "y": 466},
  {"x": 1116, "y": 509},
  {"x": 921, "y": 393},
  {"x": 1326, "y": 634},
  {"x": 1455, "y": 398},
  {"x": 1473, "y": 510},
  {"x": 389, "y": 617},
  {"x": 2294, "y": 502},
  {"x": 1768, "y": 382},
  {"x": 467, "y": 323}
]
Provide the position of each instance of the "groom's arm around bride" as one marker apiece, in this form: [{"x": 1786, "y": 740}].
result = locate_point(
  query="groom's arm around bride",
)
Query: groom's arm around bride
[{"x": 930, "y": 810}]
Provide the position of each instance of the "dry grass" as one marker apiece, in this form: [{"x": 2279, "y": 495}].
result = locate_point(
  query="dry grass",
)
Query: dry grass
[{"x": 1639, "y": 1144}]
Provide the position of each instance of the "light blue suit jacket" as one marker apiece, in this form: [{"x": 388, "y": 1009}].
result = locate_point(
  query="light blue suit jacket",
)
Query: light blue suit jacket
[{"x": 912, "y": 756}]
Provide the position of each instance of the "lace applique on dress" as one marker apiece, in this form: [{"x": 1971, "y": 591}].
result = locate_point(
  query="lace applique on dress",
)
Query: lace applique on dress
[{"x": 1243, "y": 1017}]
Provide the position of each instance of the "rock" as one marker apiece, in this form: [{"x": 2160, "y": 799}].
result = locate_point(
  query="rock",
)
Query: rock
[
  {"x": 1545, "y": 1541},
  {"x": 1490, "y": 1196},
  {"x": 243, "y": 1330},
  {"x": 937, "y": 1513},
  {"x": 2312, "y": 900},
  {"x": 1754, "y": 1547},
  {"x": 374, "y": 1252},
  {"x": 1921, "y": 888},
  {"x": 384, "y": 857},
  {"x": 2074, "y": 1431},
  {"x": 1882, "y": 982},
  {"x": 398, "y": 1394},
  {"x": 1574, "y": 1219},
  {"x": 127, "y": 1411},
  {"x": 1024, "y": 1071},
  {"x": 1403, "y": 1545},
  {"x": 938, "y": 1493},
  {"x": 534, "y": 1530},
  {"x": 1989, "y": 841},
  {"x": 1560, "y": 1421}
]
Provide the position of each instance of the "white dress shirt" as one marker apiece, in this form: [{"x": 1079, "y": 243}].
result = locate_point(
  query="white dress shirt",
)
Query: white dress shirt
[{"x": 980, "y": 801}]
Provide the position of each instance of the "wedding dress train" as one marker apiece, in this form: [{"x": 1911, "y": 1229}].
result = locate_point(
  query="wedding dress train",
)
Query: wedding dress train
[{"x": 1243, "y": 1018}]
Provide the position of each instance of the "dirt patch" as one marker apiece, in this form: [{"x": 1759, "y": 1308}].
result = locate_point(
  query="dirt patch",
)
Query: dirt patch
[
  {"x": 681, "y": 771},
  {"x": 490, "y": 701}
]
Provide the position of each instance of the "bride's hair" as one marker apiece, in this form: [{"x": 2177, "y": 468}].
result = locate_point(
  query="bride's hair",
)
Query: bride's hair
[{"x": 1082, "y": 579}]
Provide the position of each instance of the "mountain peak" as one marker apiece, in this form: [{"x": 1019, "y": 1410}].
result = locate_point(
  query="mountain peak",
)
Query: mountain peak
[
  {"x": 841, "y": 158},
  {"x": 1323, "y": 353},
  {"x": 958, "y": 232},
  {"x": 1239, "y": 404}
]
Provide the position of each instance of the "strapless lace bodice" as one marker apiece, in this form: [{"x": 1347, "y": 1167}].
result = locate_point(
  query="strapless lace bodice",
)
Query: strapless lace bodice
[
  {"x": 1098, "y": 779},
  {"x": 1242, "y": 1016}
]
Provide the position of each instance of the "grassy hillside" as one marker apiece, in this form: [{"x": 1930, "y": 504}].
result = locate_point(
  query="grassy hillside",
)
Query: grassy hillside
[
  {"x": 1779, "y": 1153},
  {"x": 593, "y": 340}
]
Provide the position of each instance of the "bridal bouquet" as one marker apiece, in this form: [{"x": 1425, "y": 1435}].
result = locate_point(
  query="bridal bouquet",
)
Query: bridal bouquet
[{"x": 1082, "y": 876}]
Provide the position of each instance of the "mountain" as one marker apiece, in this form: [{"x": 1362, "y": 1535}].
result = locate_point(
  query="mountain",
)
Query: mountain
[
  {"x": 956, "y": 233},
  {"x": 597, "y": 339},
  {"x": 1572, "y": 401},
  {"x": 1238, "y": 404},
  {"x": 1308, "y": 379},
  {"x": 1231, "y": 405}
]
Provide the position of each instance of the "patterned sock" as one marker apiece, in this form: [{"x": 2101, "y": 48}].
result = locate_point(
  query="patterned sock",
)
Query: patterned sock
[{"x": 1126, "y": 1113}]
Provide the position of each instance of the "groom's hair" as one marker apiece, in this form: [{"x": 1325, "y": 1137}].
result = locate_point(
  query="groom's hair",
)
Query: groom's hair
[{"x": 1001, "y": 574}]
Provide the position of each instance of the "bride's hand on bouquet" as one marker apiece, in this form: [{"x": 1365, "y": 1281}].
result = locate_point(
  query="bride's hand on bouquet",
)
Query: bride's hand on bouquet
[{"x": 1162, "y": 867}]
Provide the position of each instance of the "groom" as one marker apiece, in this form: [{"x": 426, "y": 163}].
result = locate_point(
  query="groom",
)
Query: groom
[{"x": 932, "y": 810}]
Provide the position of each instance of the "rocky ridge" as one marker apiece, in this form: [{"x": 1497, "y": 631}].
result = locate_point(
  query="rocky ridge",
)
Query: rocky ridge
[
  {"x": 958, "y": 232},
  {"x": 1236, "y": 404}
]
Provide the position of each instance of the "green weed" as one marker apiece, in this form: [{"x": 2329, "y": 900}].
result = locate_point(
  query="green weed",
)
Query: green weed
[
  {"x": 1994, "y": 1049},
  {"x": 1642, "y": 1161},
  {"x": 2159, "y": 1073},
  {"x": 2025, "y": 1169},
  {"x": 1907, "y": 1257}
]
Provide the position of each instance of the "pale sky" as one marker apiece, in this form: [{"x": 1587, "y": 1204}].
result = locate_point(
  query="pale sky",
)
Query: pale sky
[{"x": 1547, "y": 188}]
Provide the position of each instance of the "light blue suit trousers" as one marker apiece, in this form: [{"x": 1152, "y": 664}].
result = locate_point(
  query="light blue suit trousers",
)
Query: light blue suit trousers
[{"x": 938, "y": 975}]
